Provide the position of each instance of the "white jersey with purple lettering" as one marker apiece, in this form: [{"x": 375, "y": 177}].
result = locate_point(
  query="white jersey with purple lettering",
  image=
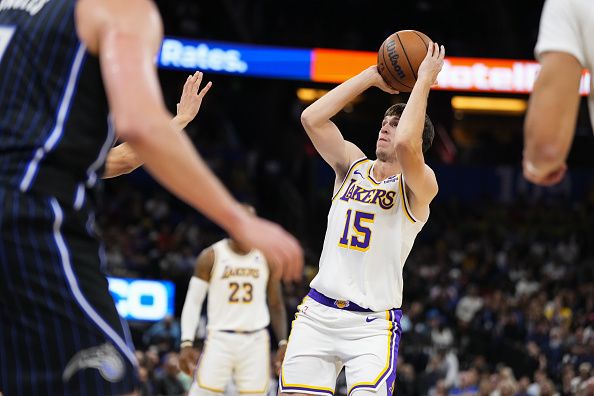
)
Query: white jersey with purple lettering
[
  {"x": 237, "y": 346},
  {"x": 237, "y": 298},
  {"x": 371, "y": 231}
]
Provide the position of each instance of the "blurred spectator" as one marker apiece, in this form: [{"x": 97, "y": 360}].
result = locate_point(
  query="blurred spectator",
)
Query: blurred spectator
[
  {"x": 469, "y": 305},
  {"x": 164, "y": 334},
  {"x": 467, "y": 384},
  {"x": 167, "y": 382},
  {"x": 580, "y": 382}
]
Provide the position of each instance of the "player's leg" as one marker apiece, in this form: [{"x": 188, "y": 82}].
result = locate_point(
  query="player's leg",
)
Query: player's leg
[
  {"x": 195, "y": 390},
  {"x": 59, "y": 330},
  {"x": 371, "y": 357},
  {"x": 310, "y": 365},
  {"x": 252, "y": 364},
  {"x": 215, "y": 366}
]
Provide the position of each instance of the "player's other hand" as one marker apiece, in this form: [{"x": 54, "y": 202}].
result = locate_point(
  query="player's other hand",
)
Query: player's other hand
[
  {"x": 191, "y": 98},
  {"x": 188, "y": 357},
  {"x": 432, "y": 64},
  {"x": 378, "y": 81},
  {"x": 280, "y": 356},
  {"x": 280, "y": 248}
]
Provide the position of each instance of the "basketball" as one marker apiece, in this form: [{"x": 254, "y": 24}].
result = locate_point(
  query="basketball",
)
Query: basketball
[{"x": 399, "y": 58}]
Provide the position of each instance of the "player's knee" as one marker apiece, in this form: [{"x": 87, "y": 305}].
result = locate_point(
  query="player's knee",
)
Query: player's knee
[{"x": 196, "y": 390}]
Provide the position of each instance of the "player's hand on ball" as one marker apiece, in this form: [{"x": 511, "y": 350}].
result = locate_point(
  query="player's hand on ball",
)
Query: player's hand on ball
[
  {"x": 432, "y": 64},
  {"x": 191, "y": 97},
  {"x": 378, "y": 80},
  {"x": 280, "y": 248},
  {"x": 188, "y": 357}
]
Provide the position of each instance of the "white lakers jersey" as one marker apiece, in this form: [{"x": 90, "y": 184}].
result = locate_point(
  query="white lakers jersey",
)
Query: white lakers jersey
[
  {"x": 237, "y": 291},
  {"x": 370, "y": 233}
]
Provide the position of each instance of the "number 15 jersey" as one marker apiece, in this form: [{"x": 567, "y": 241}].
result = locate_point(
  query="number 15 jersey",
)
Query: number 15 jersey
[{"x": 371, "y": 230}]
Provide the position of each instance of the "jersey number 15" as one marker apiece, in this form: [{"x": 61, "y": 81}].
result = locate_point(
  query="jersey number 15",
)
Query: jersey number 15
[{"x": 361, "y": 235}]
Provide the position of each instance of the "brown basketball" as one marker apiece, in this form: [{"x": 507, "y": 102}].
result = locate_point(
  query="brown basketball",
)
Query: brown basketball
[{"x": 399, "y": 58}]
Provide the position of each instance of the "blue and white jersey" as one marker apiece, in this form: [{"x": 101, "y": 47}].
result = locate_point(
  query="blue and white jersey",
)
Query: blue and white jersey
[
  {"x": 54, "y": 126},
  {"x": 370, "y": 233}
]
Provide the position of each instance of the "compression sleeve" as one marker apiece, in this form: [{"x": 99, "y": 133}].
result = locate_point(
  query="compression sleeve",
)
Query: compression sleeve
[{"x": 192, "y": 306}]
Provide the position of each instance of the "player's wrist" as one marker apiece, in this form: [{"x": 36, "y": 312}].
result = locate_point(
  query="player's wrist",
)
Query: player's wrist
[
  {"x": 425, "y": 80},
  {"x": 186, "y": 344}
]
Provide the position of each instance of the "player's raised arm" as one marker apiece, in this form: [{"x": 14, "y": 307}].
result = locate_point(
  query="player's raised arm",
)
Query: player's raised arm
[
  {"x": 190, "y": 315},
  {"x": 419, "y": 178},
  {"x": 324, "y": 134},
  {"x": 127, "y": 35},
  {"x": 122, "y": 159}
]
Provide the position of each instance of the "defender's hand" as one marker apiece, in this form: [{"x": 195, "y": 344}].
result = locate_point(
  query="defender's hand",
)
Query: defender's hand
[
  {"x": 191, "y": 98},
  {"x": 432, "y": 64},
  {"x": 188, "y": 357},
  {"x": 280, "y": 248}
]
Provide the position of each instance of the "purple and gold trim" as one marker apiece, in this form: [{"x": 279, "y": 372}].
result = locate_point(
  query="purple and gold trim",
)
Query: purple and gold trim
[
  {"x": 348, "y": 174},
  {"x": 388, "y": 374},
  {"x": 302, "y": 388},
  {"x": 370, "y": 177},
  {"x": 405, "y": 205},
  {"x": 338, "y": 304}
]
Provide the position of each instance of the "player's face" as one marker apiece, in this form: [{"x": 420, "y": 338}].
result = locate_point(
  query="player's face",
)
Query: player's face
[{"x": 384, "y": 148}]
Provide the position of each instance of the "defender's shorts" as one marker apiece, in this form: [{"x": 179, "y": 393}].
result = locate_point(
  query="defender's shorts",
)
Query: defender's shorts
[
  {"x": 60, "y": 333},
  {"x": 245, "y": 358},
  {"x": 324, "y": 338}
]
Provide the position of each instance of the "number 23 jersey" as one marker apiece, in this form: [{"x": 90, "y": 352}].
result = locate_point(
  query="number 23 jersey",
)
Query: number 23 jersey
[
  {"x": 237, "y": 290},
  {"x": 370, "y": 232}
]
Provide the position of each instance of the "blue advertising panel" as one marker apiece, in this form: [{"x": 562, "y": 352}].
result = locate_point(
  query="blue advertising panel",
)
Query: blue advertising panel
[
  {"x": 142, "y": 299},
  {"x": 229, "y": 58}
]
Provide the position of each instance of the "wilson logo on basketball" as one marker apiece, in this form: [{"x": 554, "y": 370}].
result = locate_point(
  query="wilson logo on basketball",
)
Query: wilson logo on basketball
[{"x": 393, "y": 55}]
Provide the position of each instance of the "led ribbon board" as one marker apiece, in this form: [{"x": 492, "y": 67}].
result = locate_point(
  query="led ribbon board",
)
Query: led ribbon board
[
  {"x": 335, "y": 66},
  {"x": 142, "y": 299}
]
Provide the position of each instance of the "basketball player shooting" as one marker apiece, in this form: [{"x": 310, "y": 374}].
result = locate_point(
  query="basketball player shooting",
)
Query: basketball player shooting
[
  {"x": 243, "y": 300},
  {"x": 350, "y": 318}
]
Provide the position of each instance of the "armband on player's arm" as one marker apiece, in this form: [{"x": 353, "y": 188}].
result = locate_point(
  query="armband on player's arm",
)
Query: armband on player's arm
[{"x": 191, "y": 311}]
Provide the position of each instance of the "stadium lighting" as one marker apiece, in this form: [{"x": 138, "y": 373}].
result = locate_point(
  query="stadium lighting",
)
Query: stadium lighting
[{"x": 489, "y": 105}]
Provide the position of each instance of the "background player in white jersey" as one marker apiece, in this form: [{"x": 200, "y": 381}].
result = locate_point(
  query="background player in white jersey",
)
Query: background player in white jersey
[
  {"x": 350, "y": 318},
  {"x": 239, "y": 283},
  {"x": 564, "y": 48}
]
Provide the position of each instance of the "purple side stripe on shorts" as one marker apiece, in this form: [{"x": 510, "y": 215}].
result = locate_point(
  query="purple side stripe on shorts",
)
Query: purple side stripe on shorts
[{"x": 390, "y": 373}]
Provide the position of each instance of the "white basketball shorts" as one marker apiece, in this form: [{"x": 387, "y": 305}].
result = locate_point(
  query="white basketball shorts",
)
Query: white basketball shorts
[
  {"x": 245, "y": 358},
  {"x": 328, "y": 335}
]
